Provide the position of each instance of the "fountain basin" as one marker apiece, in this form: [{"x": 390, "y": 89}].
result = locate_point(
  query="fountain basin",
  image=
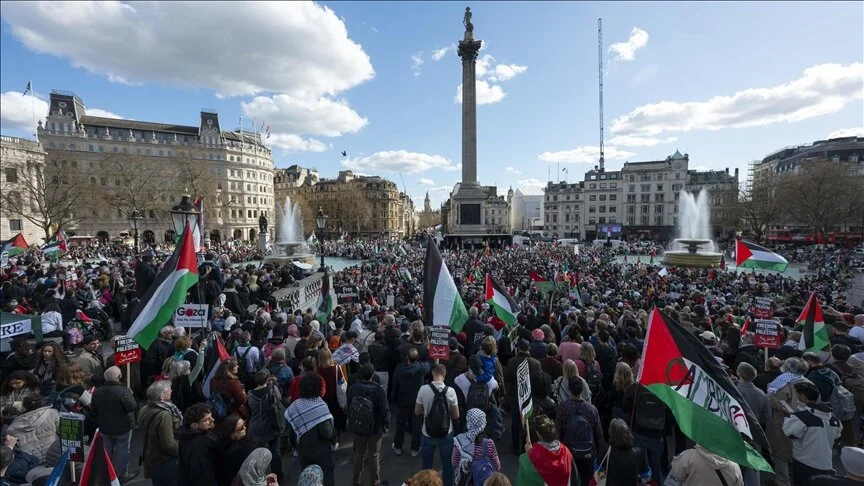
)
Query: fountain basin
[
  {"x": 287, "y": 253},
  {"x": 692, "y": 257}
]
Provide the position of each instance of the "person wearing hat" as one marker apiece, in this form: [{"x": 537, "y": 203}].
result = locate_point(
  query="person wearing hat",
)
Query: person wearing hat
[{"x": 852, "y": 459}]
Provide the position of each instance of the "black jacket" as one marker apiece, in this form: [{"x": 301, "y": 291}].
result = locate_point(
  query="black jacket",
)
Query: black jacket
[
  {"x": 378, "y": 396},
  {"x": 145, "y": 275},
  {"x": 407, "y": 380},
  {"x": 380, "y": 356},
  {"x": 114, "y": 406},
  {"x": 230, "y": 455},
  {"x": 233, "y": 303},
  {"x": 196, "y": 457},
  {"x": 471, "y": 328}
]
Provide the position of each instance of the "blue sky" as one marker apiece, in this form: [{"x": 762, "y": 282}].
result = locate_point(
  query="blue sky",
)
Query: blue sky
[{"x": 725, "y": 82}]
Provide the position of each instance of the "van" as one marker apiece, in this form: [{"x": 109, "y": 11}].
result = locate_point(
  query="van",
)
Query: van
[{"x": 567, "y": 241}]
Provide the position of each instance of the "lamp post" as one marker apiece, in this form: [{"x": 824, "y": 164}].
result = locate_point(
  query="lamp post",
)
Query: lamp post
[
  {"x": 134, "y": 218},
  {"x": 321, "y": 222},
  {"x": 182, "y": 213}
]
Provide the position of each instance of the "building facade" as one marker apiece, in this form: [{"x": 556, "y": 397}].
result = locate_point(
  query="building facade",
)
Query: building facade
[
  {"x": 526, "y": 210},
  {"x": 21, "y": 161},
  {"x": 638, "y": 201},
  {"x": 130, "y": 165},
  {"x": 494, "y": 216},
  {"x": 362, "y": 206}
]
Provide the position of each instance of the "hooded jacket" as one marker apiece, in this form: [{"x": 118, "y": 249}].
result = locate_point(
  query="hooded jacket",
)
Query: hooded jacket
[
  {"x": 36, "y": 431},
  {"x": 196, "y": 454},
  {"x": 407, "y": 380},
  {"x": 699, "y": 467}
]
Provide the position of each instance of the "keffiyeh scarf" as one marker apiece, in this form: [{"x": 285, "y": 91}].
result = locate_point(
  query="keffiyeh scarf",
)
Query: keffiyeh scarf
[
  {"x": 475, "y": 424},
  {"x": 305, "y": 413},
  {"x": 783, "y": 380},
  {"x": 311, "y": 476}
]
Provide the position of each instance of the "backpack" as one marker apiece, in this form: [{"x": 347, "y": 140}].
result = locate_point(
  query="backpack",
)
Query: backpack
[
  {"x": 578, "y": 434},
  {"x": 218, "y": 405},
  {"x": 437, "y": 420},
  {"x": 478, "y": 396},
  {"x": 652, "y": 412},
  {"x": 361, "y": 416},
  {"x": 244, "y": 372},
  {"x": 842, "y": 403},
  {"x": 481, "y": 468},
  {"x": 594, "y": 380}
]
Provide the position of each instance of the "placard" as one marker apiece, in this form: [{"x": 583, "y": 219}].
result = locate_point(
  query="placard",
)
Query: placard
[
  {"x": 72, "y": 435},
  {"x": 347, "y": 294},
  {"x": 391, "y": 300},
  {"x": 16, "y": 328},
  {"x": 126, "y": 350},
  {"x": 439, "y": 342},
  {"x": 767, "y": 334},
  {"x": 191, "y": 315},
  {"x": 523, "y": 386},
  {"x": 762, "y": 308}
]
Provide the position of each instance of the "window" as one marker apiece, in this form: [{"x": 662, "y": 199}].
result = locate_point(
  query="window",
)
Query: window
[
  {"x": 103, "y": 181},
  {"x": 645, "y": 187},
  {"x": 602, "y": 209},
  {"x": 658, "y": 221},
  {"x": 677, "y": 175},
  {"x": 631, "y": 198},
  {"x": 15, "y": 225},
  {"x": 592, "y": 220},
  {"x": 602, "y": 197},
  {"x": 631, "y": 188},
  {"x": 592, "y": 186},
  {"x": 611, "y": 209},
  {"x": 658, "y": 197},
  {"x": 645, "y": 209},
  {"x": 592, "y": 197},
  {"x": 660, "y": 177},
  {"x": 602, "y": 219},
  {"x": 101, "y": 148},
  {"x": 90, "y": 148},
  {"x": 613, "y": 185},
  {"x": 116, "y": 150},
  {"x": 147, "y": 151},
  {"x": 11, "y": 175},
  {"x": 645, "y": 197},
  {"x": 592, "y": 209},
  {"x": 658, "y": 209},
  {"x": 613, "y": 197},
  {"x": 602, "y": 185}
]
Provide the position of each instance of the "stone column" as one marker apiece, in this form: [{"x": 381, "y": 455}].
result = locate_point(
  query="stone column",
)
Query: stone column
[{"x": 468, "y": 49}]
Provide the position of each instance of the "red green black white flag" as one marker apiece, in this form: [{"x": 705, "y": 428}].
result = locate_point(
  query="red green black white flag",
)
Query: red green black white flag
[
  {"x": 709, "y": 409},
  {"x": 814, "y": 335},
  {"x": 751, "y": 255}
]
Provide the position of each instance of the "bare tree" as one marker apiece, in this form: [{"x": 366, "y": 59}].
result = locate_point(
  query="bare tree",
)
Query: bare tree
[
  {"x": 128, "y": 183},
  {"x": 823, "y": 195},
  {"x": 50, "y": 197},
  {"x": 760, "y": 203},
  {"x": 195, "y": 176}
]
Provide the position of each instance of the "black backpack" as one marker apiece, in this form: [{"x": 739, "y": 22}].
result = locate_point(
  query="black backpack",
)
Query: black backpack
[
  {"x": 361, "y": 416},
  {"x": 652, "y": 411},
  {"x": 478, "y": 395},
  {"x": 438, "y": 418},
  {"x": 243, "y": 364},
  {"x": 578, "y": 435},
  {"x": 594, "y": 380}
]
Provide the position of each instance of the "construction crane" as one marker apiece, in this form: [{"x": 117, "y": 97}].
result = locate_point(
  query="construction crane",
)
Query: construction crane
[{"x": 600, "y": 78}]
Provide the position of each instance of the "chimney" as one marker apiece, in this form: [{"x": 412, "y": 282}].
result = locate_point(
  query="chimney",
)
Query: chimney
[
  {"x": 727, "y": 170},
  {"x": 736, "y": 172}
]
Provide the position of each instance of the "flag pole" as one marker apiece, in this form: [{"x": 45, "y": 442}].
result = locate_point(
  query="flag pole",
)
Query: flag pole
[{"x": 33, "y": 105}]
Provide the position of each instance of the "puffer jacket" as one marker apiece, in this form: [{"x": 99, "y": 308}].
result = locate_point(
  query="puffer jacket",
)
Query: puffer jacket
[
  {"x": 698, "y": 467},
  {"x": 36, "y": 431}
]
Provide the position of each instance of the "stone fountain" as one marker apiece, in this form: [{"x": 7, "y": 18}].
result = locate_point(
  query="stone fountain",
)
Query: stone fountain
[
  {"x": 290, "y": 245},
  {"x": 694, "y": 247}
]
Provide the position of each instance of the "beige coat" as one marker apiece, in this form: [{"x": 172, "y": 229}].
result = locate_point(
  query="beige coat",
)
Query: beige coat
[
  {"x": 697, "y": 467},
  {"x": 781, "y": 445}
]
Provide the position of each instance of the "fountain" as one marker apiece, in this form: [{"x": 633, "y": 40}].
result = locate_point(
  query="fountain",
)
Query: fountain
[
  {"x": 693, "y": 247},
  {"x": 290, "y": 246}
]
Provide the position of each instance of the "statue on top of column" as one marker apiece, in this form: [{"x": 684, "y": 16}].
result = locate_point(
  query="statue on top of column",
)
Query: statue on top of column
[{"x": 469, "y": 27}]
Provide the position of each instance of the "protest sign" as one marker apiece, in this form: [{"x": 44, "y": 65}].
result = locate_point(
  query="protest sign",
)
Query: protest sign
[
  {"x": 762, "y": 308},
  {"x": 347, "y": 294},
  {"x": 191, "y": 315},
  {"x": 767, "y": 334},
  {"x": 126, "y": 351},
  {"x": 72, "y": 435},
  {"x": 439, "y": 340},
  {"x": 523, "y": 387}
]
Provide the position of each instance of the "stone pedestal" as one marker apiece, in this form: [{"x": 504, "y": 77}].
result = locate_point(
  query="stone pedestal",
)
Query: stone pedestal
[{"x": 262, "y": 241}]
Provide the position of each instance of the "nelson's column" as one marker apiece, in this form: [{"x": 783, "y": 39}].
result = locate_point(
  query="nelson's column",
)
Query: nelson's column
[{"x": 466, "y": 202}]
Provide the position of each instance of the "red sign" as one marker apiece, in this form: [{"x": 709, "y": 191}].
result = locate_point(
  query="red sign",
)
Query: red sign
[
  {"x": 767, "y": 334},
  {"x": 126, "y": 350},
  {"x": 762, "y": 309},
  {"x": 439, "y": 341}
]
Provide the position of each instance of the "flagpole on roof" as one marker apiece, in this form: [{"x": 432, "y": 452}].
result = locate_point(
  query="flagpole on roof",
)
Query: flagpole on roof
[{"x": 33, "y": 106}]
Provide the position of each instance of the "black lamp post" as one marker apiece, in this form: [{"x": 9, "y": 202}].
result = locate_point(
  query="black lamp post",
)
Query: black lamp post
[
  {"x": 183, "y": 213},
  {"x": 134, "y": 218},
  {"x": 321, "y": 222}
]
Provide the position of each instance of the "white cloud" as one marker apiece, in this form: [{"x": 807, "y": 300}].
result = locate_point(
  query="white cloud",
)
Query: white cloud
[
  {"x": 631, "y": 141},
  {"x": 304, "y": 115},
  {"x": 626, "y": 51},
  {"x": 486, "y": 93},
  {"x": 846, "y": 132},
  {"x": 821, "y": 90},
  {"x": 585, "y": 155},
  {"x": 100, "y": 113},
  {"x": 16, "y": 111},
  {"x": 532, "y": 183},
  {"x": 426, "y": 182},
  {"x": 416, "y": 62},
  {"x": 503, "y": 72},
  {"x": 276, "y": 47},
  {"x": 439, "y": 54},
  {"x": 511, "y": 170},
  {"x": 398, "y": 161},
  {"x": 483, "y": 65},
  {"x": 295, "y": 143}
]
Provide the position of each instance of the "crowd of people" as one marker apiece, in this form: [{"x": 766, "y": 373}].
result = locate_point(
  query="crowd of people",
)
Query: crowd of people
[{"x": 294, "y": 384}]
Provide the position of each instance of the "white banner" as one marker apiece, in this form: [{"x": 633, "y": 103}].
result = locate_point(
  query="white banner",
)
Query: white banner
[
  {"x": 523, "y": 386},
  {"x": 191, "y": 315},
  {"x": 12, "y": 329}
]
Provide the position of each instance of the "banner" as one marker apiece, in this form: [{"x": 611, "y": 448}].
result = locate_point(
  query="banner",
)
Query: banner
[
  {"x": 766, "y": 334},
  {"x": 126, "y": 350},
  {"x": 439, "y": 342},
  {"x": 347, "y": 294},
  {"x": 523, "y": 387},
  {"x": 72, "y": 435},
  {"x": 762, "y": 308},
  {"x": 12, "y": 329},
  {"x": 191, "y": 315}
]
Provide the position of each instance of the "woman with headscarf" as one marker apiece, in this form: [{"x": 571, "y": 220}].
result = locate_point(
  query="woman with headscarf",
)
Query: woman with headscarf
[
  {"x": 311, "y": 432},
  {"x": 291, "y": 340},
  {"x": 471, "y": 445},
  {"x": 311, "y": 476},
  {"x": 253, "y": 472}
]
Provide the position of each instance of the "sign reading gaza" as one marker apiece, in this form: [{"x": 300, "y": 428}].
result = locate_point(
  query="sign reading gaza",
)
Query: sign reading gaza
[{"x": 191, "y": 315}]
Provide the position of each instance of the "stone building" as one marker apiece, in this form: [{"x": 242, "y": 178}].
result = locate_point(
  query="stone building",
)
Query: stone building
[
  {"x": 21, "y": 161},
  {"x": 638, "y": 201},
  {"x": 364, "y": 206},
  {"x": 429, "y": 218},
  {"x": 494, "y": 217},
  {"x": 131, "y": 165},
  {"x": 526, "y": 209}
]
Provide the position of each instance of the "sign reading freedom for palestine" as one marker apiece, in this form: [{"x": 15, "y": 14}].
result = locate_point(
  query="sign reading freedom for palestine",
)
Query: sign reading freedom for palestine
[{"x": 439, "y": 341}]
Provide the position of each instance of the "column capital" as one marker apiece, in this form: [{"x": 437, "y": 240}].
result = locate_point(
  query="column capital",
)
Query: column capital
[{"x": 468, "y": 49}]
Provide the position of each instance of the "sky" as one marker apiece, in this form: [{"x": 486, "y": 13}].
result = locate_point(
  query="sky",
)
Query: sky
[{"x": 725, "y": 82}]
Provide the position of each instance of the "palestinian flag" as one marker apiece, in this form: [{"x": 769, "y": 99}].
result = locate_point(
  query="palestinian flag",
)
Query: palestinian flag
[
  {"x": 500, "y": 300},
  {"x": 216, "y": 354},
  {"x": 98, "y": 470},
  {"x": 536, "y": 277},
  {"x": 167, "y": 293},
  {"x": 14, "y": 246},
  {"x": 542, "y": 467},
  {"x": 751, "y": 255},
  {"x": 745, "y": 327},
  {"x": 474, "y": 274},
  {"x": 814, "y": 336},
  {"x": 325, "y": 302},
  {"x": 681, "y": 372},
  {"x": 542, "y": 283},
  {"x": 441, "y": 299},
  {"x": 55, "y": 247}
]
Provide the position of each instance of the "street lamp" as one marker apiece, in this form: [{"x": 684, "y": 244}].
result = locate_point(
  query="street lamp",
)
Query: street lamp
[
  {"x": 134, "y": 218},
  {"x": 183, "y": 213},
  {"x": 321, "y": 222}
]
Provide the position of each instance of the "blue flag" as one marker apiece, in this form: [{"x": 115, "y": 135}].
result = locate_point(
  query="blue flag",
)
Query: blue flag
[{"x": 57, "y": 473}]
